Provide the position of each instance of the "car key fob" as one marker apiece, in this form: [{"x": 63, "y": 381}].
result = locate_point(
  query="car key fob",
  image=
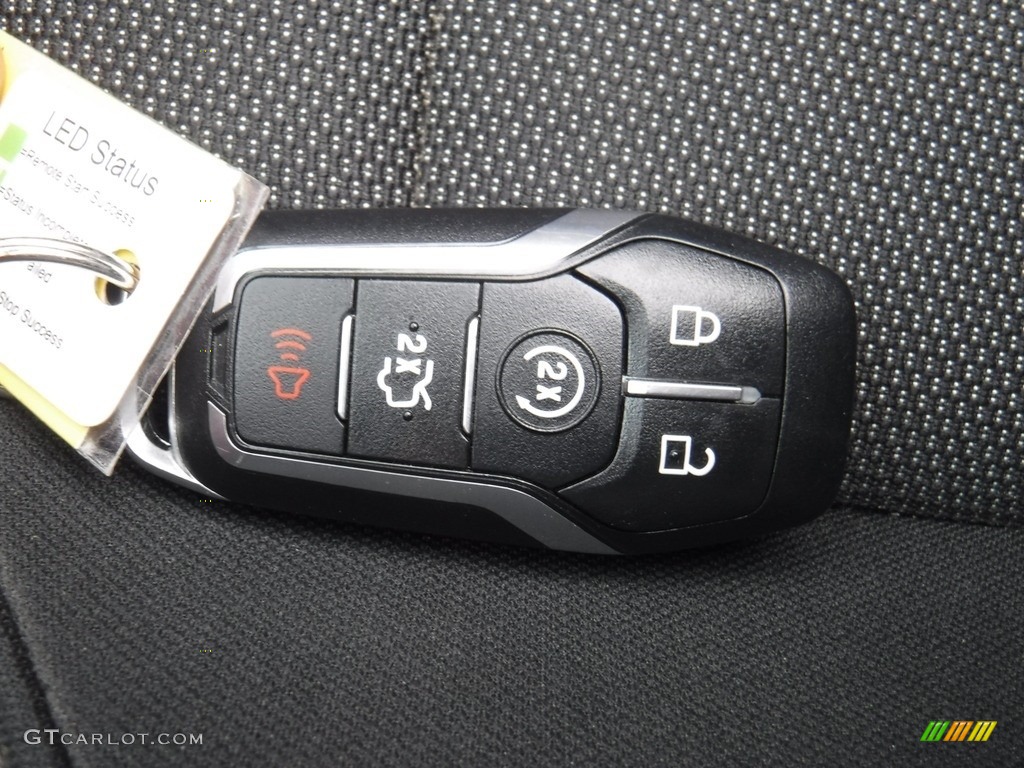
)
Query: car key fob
[{"x": 587, "y": 380}]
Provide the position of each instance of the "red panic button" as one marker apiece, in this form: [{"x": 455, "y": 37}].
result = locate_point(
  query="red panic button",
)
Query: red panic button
[
  {"x": 288, "y": 379},
  {"x": 287, "y": 342}
]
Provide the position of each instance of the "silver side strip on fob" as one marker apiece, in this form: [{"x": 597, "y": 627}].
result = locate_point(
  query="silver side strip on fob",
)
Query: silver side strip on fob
[
  {"x": 682, "y": 390},
  {"x": 528, "y": 514},
  {"x": 534, "y": 253},
  {"x": 163, "y": 460},
  {"x": 472, "y": 336},
  {"x": 345, "y": 366}
]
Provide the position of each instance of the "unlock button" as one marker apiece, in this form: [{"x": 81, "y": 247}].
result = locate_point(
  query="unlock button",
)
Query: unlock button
[{"x": 683, "y": 463}]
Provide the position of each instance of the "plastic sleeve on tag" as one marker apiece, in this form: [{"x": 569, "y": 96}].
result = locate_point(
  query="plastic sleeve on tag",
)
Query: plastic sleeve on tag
[
  {"x": 80, "y": 167},
  {"x": 104, "y": 444}
]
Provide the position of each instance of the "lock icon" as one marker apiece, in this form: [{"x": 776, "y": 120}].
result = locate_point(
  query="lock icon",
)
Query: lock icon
[{"x": 689, "y": 323}]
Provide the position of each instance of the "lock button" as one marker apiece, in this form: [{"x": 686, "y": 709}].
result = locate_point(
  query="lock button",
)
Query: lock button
[{"x": 696, "y": 316}]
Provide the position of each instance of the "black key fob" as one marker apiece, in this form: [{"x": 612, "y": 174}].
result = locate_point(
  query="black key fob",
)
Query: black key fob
[{"x": 588, "y": 380}]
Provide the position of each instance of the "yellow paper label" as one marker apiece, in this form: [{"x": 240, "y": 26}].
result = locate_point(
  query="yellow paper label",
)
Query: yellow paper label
[{"x": 77, "y": 164}]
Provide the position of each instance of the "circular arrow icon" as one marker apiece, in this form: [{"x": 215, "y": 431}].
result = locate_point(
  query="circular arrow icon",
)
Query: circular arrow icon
[{"x": 548, "y": 381}]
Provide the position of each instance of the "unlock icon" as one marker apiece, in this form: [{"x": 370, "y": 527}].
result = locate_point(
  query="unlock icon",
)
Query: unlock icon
[
  {"x": 677, "y": 457},
  {"x": 689, "y": 324}
]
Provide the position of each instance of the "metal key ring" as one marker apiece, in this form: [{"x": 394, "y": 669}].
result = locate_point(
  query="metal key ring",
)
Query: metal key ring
[{"x": 112, "y": 269}]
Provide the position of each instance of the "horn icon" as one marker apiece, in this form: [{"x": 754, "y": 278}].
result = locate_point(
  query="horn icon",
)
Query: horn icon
[
  {"x": 287, "y": 381},
  {"x": 289, "y": 378}
]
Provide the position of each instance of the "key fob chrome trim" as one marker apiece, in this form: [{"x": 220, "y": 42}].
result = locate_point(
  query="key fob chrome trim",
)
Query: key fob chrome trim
[{"x": 793, "y": 405}]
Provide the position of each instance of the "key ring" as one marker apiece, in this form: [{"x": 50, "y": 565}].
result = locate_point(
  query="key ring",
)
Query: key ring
[{"x": 112, "y": 269}]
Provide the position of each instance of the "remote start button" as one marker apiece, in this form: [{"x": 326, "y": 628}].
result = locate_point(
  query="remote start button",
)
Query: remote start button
[{"x": 549, "y": 382}]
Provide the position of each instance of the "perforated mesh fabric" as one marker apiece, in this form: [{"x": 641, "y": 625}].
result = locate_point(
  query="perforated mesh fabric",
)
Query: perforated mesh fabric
[
  {"x": 882, "y": 139},
  {"x": 316, "y": 99}
]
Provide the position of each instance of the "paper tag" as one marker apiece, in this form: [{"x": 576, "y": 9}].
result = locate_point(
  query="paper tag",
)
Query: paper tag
[{"x": 77, "y": 164}]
